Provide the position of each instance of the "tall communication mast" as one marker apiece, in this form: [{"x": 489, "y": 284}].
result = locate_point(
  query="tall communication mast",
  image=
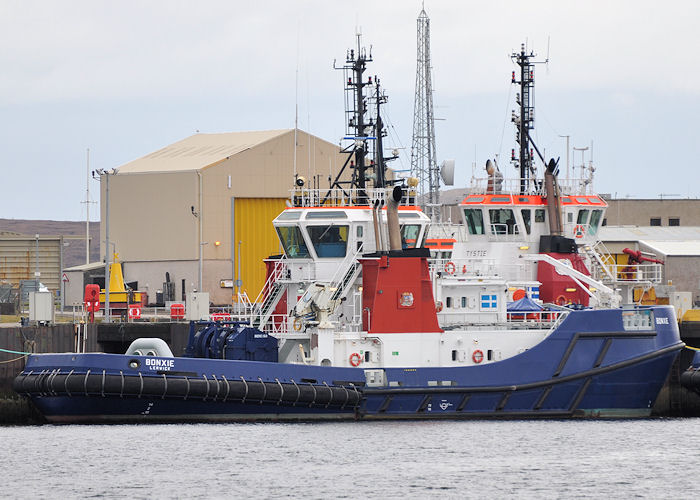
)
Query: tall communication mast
[{"x": 423, "y": 155}]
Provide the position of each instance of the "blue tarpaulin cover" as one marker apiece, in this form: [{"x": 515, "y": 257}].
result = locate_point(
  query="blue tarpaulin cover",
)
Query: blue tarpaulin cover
[{"x": 525, "y": 304}]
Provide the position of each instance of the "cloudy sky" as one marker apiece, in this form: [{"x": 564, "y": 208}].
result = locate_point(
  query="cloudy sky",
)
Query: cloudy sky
[{"x": 127, "y": 78}]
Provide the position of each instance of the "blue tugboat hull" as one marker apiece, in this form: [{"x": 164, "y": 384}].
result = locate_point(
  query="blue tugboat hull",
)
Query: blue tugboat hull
[{"x": 589, "y": 367}]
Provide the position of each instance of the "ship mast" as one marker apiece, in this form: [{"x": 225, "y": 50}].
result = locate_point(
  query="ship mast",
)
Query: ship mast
[
  {"x": 364, "y": 131},
  {"x": 525, "y": 118}
]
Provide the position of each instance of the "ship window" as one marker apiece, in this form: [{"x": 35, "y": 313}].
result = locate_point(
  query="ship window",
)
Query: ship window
[
  {"x": 489, "y": 355},
  {"x": 367, "y": 355},
  {"x": 409, "y": 235},
  {"x": 464, "y": 302},
  {"x": 454, "y": 355},
  {"x": 475, "y": 220},
  {"x": 489, "y": 301},
  {"x": 503, "y": 221},
  {"x": 539, "y": 215},
  {"x": 595, "y": 220},
  {"x": 359, "y": 231},
  {"x": 526, "y": 218},
  {"x": 289, "y": 215},
  {"x": 448, "y": 302},
  {"x": 674, "y": 221},
  {"x": 655, "y": 221},
  {"x": 570, "y": 216},
  {"x": 582, "y": 216},
  {"x": 293, "y": 242},
  {"x": 327, "y": 214},
  {"x": 329, "y": 241}
]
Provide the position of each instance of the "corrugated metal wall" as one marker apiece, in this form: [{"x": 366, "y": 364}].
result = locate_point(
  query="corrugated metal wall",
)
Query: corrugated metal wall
[
  {"x": 18, "y": 260},
  {"x": 253, "y": 227}
]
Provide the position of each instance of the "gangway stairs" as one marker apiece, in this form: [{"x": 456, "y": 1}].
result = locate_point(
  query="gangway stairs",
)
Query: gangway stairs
[
  {"x": 601, "y": 262},
  {"x": 272, "y": 291}
]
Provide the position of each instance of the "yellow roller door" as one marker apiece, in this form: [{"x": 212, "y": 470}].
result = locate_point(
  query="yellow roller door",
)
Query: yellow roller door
[{"x": 258, "y": 240}]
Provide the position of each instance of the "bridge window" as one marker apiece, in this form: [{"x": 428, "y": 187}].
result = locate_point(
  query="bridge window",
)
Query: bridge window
[
  {"x": 474, "y": 220},
  {"x": 582, "y": 217},
  {"x": 539, "y": 215},
  {"x": 503, "y": 221},
  {"x": 595, "y": 221},
  {"x": 526, "y": 218},
  {"x": 292, "y": 242},
  {"x": 329, "y": 241},
  {"x": 409, "y": 235}
]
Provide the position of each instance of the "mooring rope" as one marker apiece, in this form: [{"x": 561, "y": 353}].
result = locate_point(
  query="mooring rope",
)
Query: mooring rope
[
  {"x": 13, "y": 360},
  {"x": 692, "y": 348},
  {"x": 15, "y": 352}
]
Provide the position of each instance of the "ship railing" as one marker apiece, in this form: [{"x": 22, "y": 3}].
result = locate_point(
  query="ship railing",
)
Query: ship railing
[
  {"x": 478, "y": 267},
  {"x": 489, "y": 185},
  {"x": 351, "y": 197},
  {"x": 544, "y": 318},
  {"x": 638, "y": 273}
]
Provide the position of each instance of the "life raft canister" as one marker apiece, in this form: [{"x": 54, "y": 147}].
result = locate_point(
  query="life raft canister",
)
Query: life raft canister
[{"x": 355, "y": 359}]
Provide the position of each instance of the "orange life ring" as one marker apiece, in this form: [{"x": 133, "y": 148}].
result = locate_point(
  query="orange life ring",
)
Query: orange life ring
[
  {"x": 355, "y": 359},
  {"x": 478, "y": 356},
  {"x": 579, "y": 230},
  {"x": 438, "y": 306},
  {"x": 450, "y": 267},
  {"x": 561, "y": 300},
  {"x": 519, "y": 294}
]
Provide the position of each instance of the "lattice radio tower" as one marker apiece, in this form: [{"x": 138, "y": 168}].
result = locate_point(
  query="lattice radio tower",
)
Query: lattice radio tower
[{"x": 423, "y": 156}]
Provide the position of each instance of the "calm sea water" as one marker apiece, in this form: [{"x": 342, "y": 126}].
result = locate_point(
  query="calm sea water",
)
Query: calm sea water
[{"x": 474, "y": 459}]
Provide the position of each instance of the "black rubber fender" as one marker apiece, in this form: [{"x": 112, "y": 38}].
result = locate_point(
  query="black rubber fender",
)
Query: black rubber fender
[{"x": 100, "y": 384}]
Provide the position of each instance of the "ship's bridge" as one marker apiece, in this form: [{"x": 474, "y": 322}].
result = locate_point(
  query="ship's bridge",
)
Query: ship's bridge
[
  {"x": 515, "y": 217},
  {"x": 327, "y": 226}
]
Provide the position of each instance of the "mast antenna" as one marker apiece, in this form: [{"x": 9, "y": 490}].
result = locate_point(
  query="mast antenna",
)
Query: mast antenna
[{"x": 423, "y": 154}]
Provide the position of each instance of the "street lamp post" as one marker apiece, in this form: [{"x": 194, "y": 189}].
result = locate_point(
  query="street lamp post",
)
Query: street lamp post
[{"x": 107, "y": 174}]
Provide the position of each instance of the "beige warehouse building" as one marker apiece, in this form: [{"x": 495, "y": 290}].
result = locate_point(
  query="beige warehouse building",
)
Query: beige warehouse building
[{"x": 217, "y": 193}]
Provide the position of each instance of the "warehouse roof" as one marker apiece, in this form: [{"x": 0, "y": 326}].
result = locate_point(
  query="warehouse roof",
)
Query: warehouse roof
[
  {"x": 199, "y": 151},
  {"x": 656, "y": 233},
  {"x": 668, "y": 241},
  {"x": 674, "y": 248}
]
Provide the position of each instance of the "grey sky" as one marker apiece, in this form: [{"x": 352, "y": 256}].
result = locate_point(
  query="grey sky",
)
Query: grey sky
[{"x": 127, "y": 78}]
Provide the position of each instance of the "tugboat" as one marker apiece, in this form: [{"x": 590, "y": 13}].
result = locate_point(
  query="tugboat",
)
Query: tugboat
[{"x": 358, "y": 321}]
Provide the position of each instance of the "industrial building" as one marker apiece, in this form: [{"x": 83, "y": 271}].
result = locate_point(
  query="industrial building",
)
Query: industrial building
[
  {"x": 211, "y": 193},
  {"x": 652, "y": 212},
  {"x": 26, "y": 261},
  {"x": 678, "y": 247}
]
